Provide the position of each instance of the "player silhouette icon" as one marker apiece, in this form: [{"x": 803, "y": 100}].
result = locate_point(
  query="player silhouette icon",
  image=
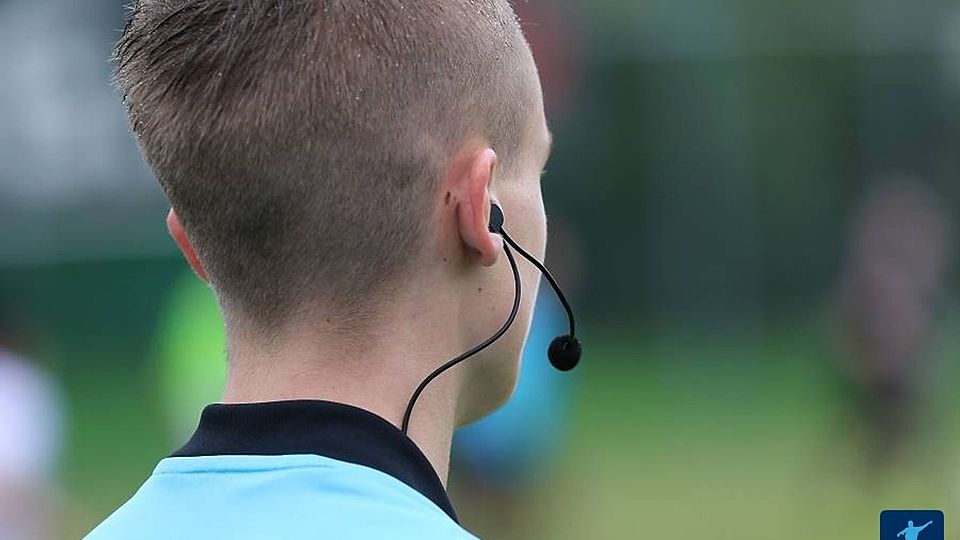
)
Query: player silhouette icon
[{"x": 911, "y": 532}]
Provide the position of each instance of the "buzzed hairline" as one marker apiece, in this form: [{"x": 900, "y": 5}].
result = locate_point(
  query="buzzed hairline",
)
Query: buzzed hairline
[{"x": 301, "y": 141}]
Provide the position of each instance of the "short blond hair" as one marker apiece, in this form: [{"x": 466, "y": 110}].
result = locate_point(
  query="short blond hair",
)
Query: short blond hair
[{"x": 300, "y": 141}]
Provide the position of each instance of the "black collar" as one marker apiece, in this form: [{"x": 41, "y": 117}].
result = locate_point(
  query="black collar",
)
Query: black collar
[{"x": 323, "y": 428}]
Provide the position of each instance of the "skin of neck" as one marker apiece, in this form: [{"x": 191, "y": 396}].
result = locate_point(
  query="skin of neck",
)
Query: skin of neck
[
  {"x": 449, "y": 301},
  {"x": 376, "y": 369}
]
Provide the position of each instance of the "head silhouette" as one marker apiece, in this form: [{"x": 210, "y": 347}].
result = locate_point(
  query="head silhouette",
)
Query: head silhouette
[
  {"x": 319, "y": 161},
  {"x": 910, "y": 523}
]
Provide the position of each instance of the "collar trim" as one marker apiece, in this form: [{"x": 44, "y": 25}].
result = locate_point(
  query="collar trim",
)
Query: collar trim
[{"x": 324, "y": 428}]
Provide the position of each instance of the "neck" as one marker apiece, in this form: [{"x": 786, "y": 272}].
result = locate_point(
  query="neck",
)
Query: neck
[{"x": 376, "y": 371}]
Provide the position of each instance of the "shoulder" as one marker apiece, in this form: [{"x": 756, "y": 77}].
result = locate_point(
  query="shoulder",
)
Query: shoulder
[
  {"x": 244, "y": 498},
  {"x": 129, "y": 523}
]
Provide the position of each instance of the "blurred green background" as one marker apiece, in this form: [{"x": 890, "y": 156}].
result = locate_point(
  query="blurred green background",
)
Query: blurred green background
[{"x": 709, "y": 164}]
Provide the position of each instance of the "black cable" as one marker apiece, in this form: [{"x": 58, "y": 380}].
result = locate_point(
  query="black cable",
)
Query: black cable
[
  {"x": 546, "y": 273},
  {"x": 503, "y": 329}
]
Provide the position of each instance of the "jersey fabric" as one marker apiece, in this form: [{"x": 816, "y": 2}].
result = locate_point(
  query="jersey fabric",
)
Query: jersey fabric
[{"x": 289, "y": 470}]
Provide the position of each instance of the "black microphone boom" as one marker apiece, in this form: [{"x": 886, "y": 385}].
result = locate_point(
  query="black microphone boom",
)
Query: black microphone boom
[{"x": 565, "y": 351}]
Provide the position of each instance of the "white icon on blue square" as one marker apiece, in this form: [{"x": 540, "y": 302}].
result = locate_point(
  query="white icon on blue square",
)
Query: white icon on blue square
[{"x": 911, "y": 525}]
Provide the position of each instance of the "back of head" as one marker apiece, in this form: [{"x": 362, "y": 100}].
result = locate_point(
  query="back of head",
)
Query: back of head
[{"x": 301, "y": 141}]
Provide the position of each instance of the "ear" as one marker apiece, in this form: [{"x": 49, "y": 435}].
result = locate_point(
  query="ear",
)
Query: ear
[
  {"x": 473, "y": 210},
  {"x": 180, "y": 237}
]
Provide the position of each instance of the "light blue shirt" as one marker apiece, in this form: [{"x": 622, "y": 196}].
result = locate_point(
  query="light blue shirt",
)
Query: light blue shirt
[{"x": 279, "y": 497}]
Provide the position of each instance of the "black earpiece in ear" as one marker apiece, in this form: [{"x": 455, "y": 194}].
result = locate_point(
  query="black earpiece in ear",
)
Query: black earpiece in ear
[
  {"x": 496, "y": 218},
  {"x": 564, "y": 353}
]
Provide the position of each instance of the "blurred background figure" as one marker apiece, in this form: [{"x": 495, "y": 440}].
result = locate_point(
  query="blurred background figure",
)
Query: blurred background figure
[
  {"x": 30, "y": 442},
  {"x": 888, "y": 307},
  {"x": 190, "y": 357}
]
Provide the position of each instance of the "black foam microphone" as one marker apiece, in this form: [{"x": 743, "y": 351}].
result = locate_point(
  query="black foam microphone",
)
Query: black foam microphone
[{"x": 564, "y": 352}]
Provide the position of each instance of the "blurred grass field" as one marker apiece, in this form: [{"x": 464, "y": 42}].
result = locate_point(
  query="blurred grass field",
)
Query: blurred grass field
[
  {"x": 676, "y": 432},
  {"x": 691, "y": 436}
]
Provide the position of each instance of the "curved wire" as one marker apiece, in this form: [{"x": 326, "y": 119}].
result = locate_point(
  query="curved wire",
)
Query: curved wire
[
  {"x": 546, "y": 273},
  {"x": 489, "y": 341}
]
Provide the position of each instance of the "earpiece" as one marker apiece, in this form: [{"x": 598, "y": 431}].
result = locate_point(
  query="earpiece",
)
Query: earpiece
[
  {"x": 496, "y": 219},
  {"x": 564, "y": 352}
]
